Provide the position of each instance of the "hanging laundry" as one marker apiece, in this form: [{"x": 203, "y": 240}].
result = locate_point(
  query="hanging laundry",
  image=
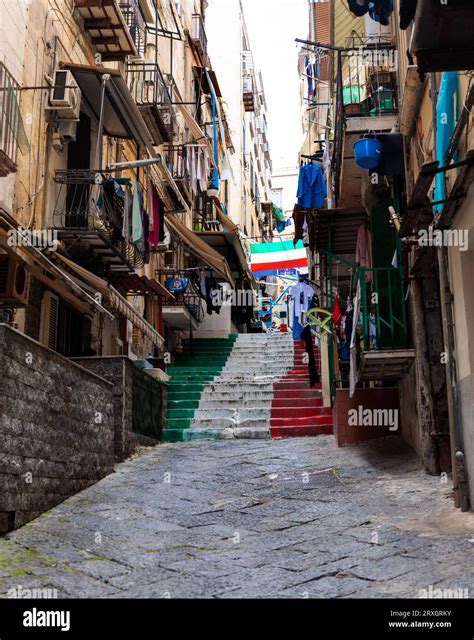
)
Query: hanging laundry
[
  {"x": 380, "y": 11},
  {"x": 155, "y": 216},
  {"x": 127, "y": 215},
  {"x": 163, "y": 233},
  {"x": 205, "y": 168},
  {"x": 192, "y": 168},
  {"x": 353, "y": 374},
  {"x": 407, "y": 13},
  {"x": 359, "y": 7},
  {"x": 212, "y": 288},
  {"x": 372, "y": 332},
  {"x": 299, "y": 217},
  {"x": 137, "y": 222},
  {"x": 149, "y": 204},
  {"x": 336, "y": 312},
  {"x": 311, "y": 186},
  {"x": 302, "y": 296},
  {"x": 364, "y": 250},
  {"x": 307, "y": 337}
]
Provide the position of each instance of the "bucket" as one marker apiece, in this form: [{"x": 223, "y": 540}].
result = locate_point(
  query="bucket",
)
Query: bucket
[{"x": 367, "y": 152}]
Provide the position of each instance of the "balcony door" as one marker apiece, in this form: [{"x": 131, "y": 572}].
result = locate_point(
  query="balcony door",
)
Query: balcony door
[{"x": 78, "y": 158}]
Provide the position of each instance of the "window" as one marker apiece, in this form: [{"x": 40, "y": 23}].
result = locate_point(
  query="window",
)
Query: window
[{"x": 12, "y": 132}]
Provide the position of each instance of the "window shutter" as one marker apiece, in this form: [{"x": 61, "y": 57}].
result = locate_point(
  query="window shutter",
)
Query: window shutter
[{"x": 49, "y": 320}]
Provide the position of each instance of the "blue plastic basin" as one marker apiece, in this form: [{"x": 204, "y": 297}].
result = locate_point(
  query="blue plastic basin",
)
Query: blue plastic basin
[{"x": 367, "y": 152}]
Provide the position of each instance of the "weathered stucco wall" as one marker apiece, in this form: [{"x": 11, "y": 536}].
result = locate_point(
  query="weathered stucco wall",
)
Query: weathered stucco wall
[{"x": 56, "y": 429}]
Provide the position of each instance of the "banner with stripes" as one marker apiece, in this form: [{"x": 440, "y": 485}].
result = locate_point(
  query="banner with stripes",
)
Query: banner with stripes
[{"x": 278, "y": 258}]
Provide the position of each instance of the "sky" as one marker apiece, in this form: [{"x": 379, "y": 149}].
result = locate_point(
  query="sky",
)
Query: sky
[{"x": 273, "y": 26}]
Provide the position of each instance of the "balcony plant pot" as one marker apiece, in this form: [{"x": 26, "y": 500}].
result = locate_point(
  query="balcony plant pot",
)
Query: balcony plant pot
[
  {"x": 367, "y": 151},
  {"x": 353, "y": 109}
]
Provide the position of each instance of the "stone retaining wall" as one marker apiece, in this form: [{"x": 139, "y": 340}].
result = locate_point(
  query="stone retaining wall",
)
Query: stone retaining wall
[{"x": 56, "y": 428}]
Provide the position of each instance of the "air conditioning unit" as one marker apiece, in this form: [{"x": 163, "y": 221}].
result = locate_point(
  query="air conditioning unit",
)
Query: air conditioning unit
[
  {"x": 65, "y": 97},
  {"x": 14, "y": 282},
  {"x": 67, "y": 129}
]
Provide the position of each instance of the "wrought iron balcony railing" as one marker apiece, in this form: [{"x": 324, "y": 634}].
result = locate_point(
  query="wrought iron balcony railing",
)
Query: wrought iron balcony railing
[
  {"x": 136, "y": 24},
  {"x": 150, "y": 92},
  {"x": 89, "y": 202},
  {"x": 176, "y": 158},
  {"x": 198, "y": 36},
  {"x": 191, "y": 299}
]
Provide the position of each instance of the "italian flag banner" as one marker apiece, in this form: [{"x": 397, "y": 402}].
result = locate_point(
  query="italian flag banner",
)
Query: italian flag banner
[{"x": 278, "y": 258}]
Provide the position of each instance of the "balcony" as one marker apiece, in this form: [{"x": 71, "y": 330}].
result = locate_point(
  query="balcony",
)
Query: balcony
[
  {"x": 12, "y": 132},
  {"x": 442, "y": 36},
  {"x": 105, "y": 21},
  {"x": 186, "y": 308},
  {"x": 199, "y": 39},
  {"x": 366, "y": 100},
  {"x": 150, "y": 93},
  {"x": 248, "y": 94},
  {"x": 175, "y": 157},
  {"x": 136, "y": 24},
  {"x": 89, "y": 218}
]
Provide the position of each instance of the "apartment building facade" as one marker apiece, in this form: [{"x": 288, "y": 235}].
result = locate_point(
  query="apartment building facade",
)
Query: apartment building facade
[
  {"x": 406, "y": 93},
  {"x": 115, "y": 188},
  {"x": 246, "y": 108}
]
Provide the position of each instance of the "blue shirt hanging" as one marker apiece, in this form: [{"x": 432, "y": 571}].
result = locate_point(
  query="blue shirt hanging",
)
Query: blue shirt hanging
[{"x": 311, "y": 186}]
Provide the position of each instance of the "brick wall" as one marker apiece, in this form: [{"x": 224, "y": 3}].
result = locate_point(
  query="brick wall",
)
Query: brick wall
[{"x": 56, "y": 428}]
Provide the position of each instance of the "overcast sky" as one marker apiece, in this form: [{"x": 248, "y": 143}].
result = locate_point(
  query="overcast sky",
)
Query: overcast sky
[{"x": 273, "y": 26}]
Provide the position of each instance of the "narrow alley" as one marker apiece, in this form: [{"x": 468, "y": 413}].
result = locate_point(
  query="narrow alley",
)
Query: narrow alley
[
  {"x": 296, "y": 518},
  {"x": 236, "y": 302}
]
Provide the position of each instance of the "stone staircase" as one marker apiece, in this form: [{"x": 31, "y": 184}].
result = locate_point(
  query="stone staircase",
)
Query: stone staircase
[
  {"x": 243, "y": 386},
  {"x": 199, "y": 363},
  {"x": 297, "y": 408}
]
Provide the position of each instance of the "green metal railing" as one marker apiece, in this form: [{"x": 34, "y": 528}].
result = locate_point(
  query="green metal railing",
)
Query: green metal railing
[{"x": 387, "y": 299}]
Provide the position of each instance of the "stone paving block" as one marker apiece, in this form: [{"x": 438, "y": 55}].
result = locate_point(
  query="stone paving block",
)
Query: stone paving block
[{"x": 177, "y": 539}]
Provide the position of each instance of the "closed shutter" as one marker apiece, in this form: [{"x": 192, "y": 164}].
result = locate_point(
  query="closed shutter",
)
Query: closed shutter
[{"x": 49, "y": 320}]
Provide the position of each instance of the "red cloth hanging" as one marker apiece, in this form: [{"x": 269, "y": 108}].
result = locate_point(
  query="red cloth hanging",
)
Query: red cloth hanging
[
  {"x": 155, "y": 202},
  {"x": 336, "y": 312}
]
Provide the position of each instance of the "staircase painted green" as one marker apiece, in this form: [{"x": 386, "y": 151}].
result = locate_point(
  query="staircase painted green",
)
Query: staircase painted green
[{"x": 199, "y": 363}]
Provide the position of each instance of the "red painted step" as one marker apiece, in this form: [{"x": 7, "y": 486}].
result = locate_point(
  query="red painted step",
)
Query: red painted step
[
  {"x": 296, "y": 413},
  {"x": 294, "y": 384},
  {"x": 297, "y": 408},
  {"x": 314, "y": 403},
  {"x": 300, "y": 432},
  {"x": 308, "y": 421},
  {"x": 297, "y": 394}
]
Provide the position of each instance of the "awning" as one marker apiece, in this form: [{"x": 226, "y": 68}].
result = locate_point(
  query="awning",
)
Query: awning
[
  {"x": 141, "y": 284},
  {"x": 114, "y": 300},
  {"x": 200, "y": 73},
  {"x": 200, "y": 248},
  {"x": 228, "y": 241},
  {"x": 122, "y": 118},
  {"x": 336, "y": 230},
  {"x": 36, "y": 262}
]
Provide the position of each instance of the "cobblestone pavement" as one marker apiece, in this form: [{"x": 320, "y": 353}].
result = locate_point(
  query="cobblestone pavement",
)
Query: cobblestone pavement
[{"x": 250, "y": 518}]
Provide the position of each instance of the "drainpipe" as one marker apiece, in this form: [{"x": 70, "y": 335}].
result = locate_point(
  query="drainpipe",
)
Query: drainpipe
[{"x": 460, "y": 484}]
